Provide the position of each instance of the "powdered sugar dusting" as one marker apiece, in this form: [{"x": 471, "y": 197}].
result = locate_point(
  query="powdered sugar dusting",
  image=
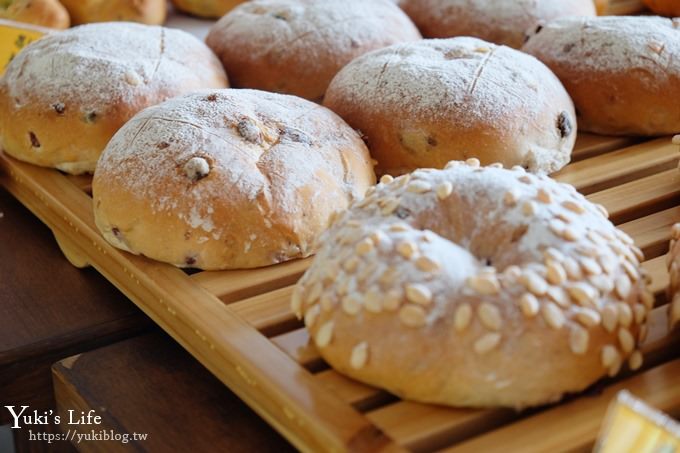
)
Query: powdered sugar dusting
[
  {"x": 612, "y": 44},
  {"x": 475, "y": 79},
  {"x": 322, "y": 35},
  {"x": 309, "y": 25},
  {"x": 476, "y": 229},
  {"x": 98, "y": 66},
  {"x": 499, "y": 21},
  {"x": 276, "y": 174},
  {"x": 480, "y": 197}
]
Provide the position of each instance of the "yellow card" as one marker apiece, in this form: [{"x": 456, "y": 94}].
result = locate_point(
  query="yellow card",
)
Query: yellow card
[{"x": 14, "y": 36}]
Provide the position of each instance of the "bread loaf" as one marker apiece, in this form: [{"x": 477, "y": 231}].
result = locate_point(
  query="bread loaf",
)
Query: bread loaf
[
  {"x": 151, "y": 12},
  {"x": 297, "y": 46},
  {"x": 228, "y": 179},
  {"x": 623, "y": 73},
  {"x": 423, "y": 104},
  {"x": 64, "y": 96},
  {"x": 46, "y": 13},
  {"x": 476, "y": 287},
  {"x": 498, "y": 21}
]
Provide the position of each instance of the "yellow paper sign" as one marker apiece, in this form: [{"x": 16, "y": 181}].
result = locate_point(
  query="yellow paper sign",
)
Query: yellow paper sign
[{"x": 14, "y": 37}]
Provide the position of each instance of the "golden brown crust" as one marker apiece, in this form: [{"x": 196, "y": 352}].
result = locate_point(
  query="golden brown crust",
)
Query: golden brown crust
[
  {"x": 670, "y": 8},
  {"x": 150, "y": 12},
  {"x": 621, "y": 72},
  {"x": 476, "y": 287},
  {"x": 422, "y": 104},
  {"x": 228, "y": 179},
  {"x": 206, "y": 8},
  {"x": 297, "y": 46},
  {"x": 62, "y": 115},
  {"x": 498, "y": 21},
  {"x": 46, "y": 13},
  {"x": 601, "y": 6}
]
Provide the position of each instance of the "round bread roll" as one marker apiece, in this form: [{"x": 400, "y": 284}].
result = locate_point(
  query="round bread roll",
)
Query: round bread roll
[
  {"x": 475, "y": 287},
  {"x": 151, "y": 12},
  {"x": 46, "y": 13},
  {"x": 499, "y": 21},
  {"x": 673, "y": 263},
  {"x": 664, "y": 7},
  {"x": 623, "y": 73},
  {"x": 228, "y": 179},
  {"x": 422, "y": 104},
  {"x": 65, "y": 95},
  {"x": 206, "y": 8},
  {"x": 297, "y": 46}
]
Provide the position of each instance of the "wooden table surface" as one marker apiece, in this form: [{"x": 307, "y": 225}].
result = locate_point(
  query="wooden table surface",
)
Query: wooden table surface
[
  {"x": 150, "y": 385},
  {"x": 50, "y": 310}
]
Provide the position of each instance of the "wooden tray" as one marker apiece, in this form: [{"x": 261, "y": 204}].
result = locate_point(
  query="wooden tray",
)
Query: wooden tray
[{"x": 238, "y": 323}]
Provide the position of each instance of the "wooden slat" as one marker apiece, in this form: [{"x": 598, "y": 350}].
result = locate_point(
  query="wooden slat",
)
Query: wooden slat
[
  {"x": 639, "y": 198},
  {"x": 297, "y": 346},
  {"x": 653, "y": 232},
  {"x": 270, "y": 313},
  {"x": 617, "y": 167},
  {"x": 230, "y": 286},
  {"x": 422, "y": 427},
  {"x": 359, "y": 395},
  {"x": 575, "y": 425},
  {"x": 590, "y": 145},
  {"x": 657, "y": 270},
  {"x": 83, "y": 182}
]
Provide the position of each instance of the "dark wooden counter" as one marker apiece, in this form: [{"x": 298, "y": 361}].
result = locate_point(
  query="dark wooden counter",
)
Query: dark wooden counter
[
  {"x": 50, "y": 310},
  {"x": 150, "y": 385}
]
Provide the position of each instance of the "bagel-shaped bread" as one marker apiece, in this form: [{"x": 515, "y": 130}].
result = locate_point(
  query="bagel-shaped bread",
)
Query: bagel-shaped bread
[
  {"x": 64, "y": 96},
  {"x": 297, "y": 46},
  {"x": 206, "y": 8},
  {"x": 498, "y": 21},
  {"x": 475, "y": 287},
  {"x": 623, "y": 73},
  {"x": 46, "y": 13},
  {"x": 423, "y": 104},
  {"x": 669, "y": 8},
  {"x": 673, "y": 263},
  {"x": 228, "y": 179},
  {"x": 150, "y": 12}
]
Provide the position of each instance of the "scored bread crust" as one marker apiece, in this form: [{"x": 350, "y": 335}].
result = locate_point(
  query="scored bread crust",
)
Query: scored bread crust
[
  {"x": 228, "y": 179},
  {"x": 425, "y": 103},
  {"x": 621, "y": 72},
  {"x": 498, "y": 21},
  {"x": 64, "y": 96},
  {"x": 476, "y": 287},
  {"x": 297, "y": 46}
]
